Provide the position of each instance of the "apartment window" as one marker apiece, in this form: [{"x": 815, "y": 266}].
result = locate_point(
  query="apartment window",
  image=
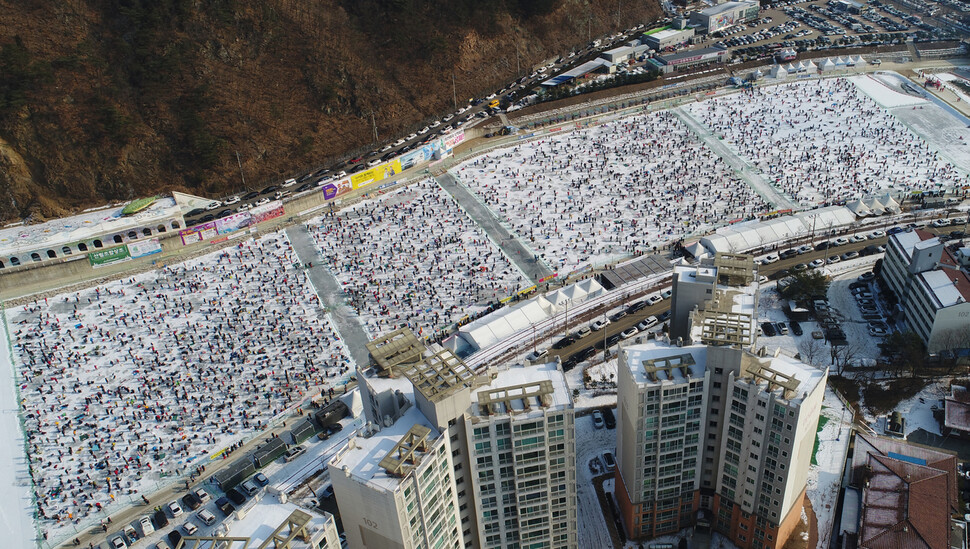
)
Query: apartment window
[
  {"x": 716, "y": 398},
  {"x": 717, "y": 384},
  {"x": 718, "y": 371}
]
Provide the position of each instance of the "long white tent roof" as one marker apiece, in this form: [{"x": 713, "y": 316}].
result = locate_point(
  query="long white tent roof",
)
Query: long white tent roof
[{"x": 744, "y": 236}]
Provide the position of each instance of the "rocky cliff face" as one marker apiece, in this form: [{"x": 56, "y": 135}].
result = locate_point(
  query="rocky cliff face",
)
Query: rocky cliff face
[{"x": 104, "y": 100}]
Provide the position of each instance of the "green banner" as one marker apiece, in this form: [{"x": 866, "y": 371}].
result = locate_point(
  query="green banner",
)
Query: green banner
[{"x": 107, "y": 256}]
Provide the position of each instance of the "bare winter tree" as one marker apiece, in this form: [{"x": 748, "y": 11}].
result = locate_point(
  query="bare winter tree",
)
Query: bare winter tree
[
  {"x": 812, "y": 351},
  {"x": 845, "y": 355}
]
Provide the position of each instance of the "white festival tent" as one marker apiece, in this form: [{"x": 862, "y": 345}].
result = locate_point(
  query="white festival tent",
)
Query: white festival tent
[
  {"x": 494, "y": 327},
  {"x": 748, "y": 235},
  {"x": 859, "y": 208},
  {"x": 779, "y": 72}
]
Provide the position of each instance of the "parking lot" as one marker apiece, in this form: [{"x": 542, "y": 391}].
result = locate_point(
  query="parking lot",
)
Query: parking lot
[{"x": 815, "y": 25}]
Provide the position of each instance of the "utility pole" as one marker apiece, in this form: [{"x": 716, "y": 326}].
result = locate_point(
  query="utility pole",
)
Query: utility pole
[
  {"x": 454, "y": 90},
  {"x": 374, "y": 122},
  {"x": 238, "y": 161}
]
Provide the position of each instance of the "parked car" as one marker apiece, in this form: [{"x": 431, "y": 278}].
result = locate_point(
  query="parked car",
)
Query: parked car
[
  {"x": 564, "y": 342},
  {"x": 224, "y": 505},
  {"x": 293, "y": 453},
  {"x": 190, "y": 528},
  {"x": 647, "y": 323},
  {"x": 618, "y": 316},
  {"x": 609, "y": 461},
  {"x": 261, "y": 479},
  {"x": 191, "y": 501},
  {"x": 236, "y": 496},
  {"x": 600, "y": 324},
  {"x": 538, "y": 354},
  {"x": 175, "y": 509},
  {"x": 796, "y": 328},
  {"x": 206, "y": 517},
  {"x": 598, "y": 419},
  {"x": 203, "y": 495},
  {"x": 628, "y": 333},
  {"x": 160, "y": 519},
  {"x": 609, "y": 418},
  {"x": 768, "y": 329}
]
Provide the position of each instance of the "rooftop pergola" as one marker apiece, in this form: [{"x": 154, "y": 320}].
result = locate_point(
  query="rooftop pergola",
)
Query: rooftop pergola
[{"x": 406, "y": 454}]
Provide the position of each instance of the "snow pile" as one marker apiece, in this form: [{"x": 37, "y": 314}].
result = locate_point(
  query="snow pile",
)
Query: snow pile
[
  {"x": 596, "y": 195},
  {"x": 127, "y": 385},
  {"x": 413, "y": 257},
  {"x": 823, "y": 142},
  {"x": 824, "y": 480}
]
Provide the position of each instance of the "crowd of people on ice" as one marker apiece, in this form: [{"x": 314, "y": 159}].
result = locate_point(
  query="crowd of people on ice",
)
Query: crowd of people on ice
[
  {"x": 131, "y": 382},
  {"x": 616, "y": 189},
  {"x": 824, "y": 142},
  {"x": 414, "y": 257}
]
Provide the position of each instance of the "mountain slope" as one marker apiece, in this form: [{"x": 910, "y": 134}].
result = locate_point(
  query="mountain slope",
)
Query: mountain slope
[{"x": 104, "y": 100}]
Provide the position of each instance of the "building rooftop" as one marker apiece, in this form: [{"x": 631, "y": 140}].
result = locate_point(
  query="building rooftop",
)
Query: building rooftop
[
  {"x": 730, "y": 316},
  {"x": 956, "y": 409},
  {"x": 667, "y": 33},
  {"x": 269, "y": 517},
  {"x": 439, "y": 374},
  {"x": 521, "y": 390},
  {"x": 363, "y": 456},
  {"x": 908, "y": 493},
  {"x": 725, "y": 7},
  {"x": 793, "y": 377},
  {"x": 947, "y": 286},
  {"x": 658, "y": 362},
  {"x": 908, "y": 241},
  {"x": 400, "y": 347},
  {"x": 17, "y": 239}
]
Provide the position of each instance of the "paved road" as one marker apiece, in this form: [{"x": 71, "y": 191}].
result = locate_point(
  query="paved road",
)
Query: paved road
[
  {"x": 513, "y": 248},
  {"x": 744, "y": 170},
  {"x": 332, "y": 295}
]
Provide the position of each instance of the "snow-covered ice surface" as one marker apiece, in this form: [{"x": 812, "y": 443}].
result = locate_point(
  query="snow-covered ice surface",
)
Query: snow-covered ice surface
[
  {"x": 413, "y": 257},
  {"x": 825, "y": 479},
  {"x": 16, "y": 504},
  {"x": 876, "y": 88},
  {"x": 824, "y": 141},
  {"x": 594, "y": 195},
  {"x": 127, "y": 385}
]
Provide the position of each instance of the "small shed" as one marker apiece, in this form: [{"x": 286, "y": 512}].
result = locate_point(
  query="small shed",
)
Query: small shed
[
  {"x": 302, "y": 431},
  {"x": 235, "y": 473},
  {"x": 268, "y": 452}
]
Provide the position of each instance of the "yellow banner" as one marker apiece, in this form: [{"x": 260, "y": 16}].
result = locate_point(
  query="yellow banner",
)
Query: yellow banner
[{"x": 375, "y": 174}]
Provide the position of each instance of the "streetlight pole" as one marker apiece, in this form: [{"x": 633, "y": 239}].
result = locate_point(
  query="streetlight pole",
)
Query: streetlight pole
[
  {"x": 454, "y": 90},
  {"x": 241, "y": 174}
]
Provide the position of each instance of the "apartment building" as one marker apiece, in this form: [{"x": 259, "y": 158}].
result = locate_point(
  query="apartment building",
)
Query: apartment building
[
  {"x": 933, "y": 292},
  {"x": 709, "y": 433},
  {"x": 521, "y": 433},
  {"x": 417, "y": 476},
  {"x": 396, "y": 488}
]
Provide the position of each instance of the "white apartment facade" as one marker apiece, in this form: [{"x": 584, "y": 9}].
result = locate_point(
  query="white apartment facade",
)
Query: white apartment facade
[
  {"x": 933, "y": 292},
  {"x": 454, "y": 459},
  {"x": 709, "y": 433},
  {"x": 522, "y": 449},
  {"x": 396, "y": 487}
]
